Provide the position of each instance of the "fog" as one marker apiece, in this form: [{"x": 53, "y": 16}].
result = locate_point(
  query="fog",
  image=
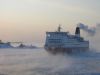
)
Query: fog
[
  {"x": 31, "y": 62},
  {"x": 40, "y": 62}
]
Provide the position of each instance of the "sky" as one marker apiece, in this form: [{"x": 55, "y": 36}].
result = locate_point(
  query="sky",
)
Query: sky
[{"x": 28, "y": 20}]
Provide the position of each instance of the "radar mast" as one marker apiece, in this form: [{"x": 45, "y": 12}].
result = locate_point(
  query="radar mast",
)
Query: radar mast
[{"x": 59, "y": 28}]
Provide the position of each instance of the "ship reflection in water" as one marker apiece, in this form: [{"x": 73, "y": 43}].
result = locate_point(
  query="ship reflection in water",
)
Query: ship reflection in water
[{"x": 40, "y": 62}]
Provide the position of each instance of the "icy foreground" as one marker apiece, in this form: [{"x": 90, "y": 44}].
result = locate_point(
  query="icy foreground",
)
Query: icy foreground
[{"x": 39, "y": 62}]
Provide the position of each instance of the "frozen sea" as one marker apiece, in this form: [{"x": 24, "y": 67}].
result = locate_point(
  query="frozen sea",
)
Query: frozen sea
[{"x": 39, "y": 62}]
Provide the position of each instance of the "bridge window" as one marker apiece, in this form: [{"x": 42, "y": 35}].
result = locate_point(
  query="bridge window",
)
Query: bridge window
[{"x": 48, "y": 35}]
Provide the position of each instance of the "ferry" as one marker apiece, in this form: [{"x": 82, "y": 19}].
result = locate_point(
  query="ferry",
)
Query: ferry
[{"x": 63, "y": 42}]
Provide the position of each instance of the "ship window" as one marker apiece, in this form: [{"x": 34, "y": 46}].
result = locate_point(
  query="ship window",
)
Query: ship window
[
  {"x": 55, "y": 40},
  {"x": 48, "y": 35}
]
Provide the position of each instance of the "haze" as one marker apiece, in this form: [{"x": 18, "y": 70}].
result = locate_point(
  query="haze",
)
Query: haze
[{"x": 28, "y": 20}]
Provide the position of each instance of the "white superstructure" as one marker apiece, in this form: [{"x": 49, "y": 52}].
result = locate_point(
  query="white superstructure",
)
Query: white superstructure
[{"x": 64, "y": 42}]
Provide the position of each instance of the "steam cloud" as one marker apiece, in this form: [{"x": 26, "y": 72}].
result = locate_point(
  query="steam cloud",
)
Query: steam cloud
[{"x": 90, "y": 30}]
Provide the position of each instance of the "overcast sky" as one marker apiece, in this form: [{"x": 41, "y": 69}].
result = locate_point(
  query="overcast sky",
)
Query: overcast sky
[{"x": 28, "y": 20}]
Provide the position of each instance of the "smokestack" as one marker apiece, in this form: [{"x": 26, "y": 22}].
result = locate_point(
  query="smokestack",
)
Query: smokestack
[{"x": 77, "y": 32}]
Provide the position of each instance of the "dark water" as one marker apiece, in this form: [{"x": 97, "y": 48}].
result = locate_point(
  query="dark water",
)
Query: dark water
[{"x": 39, "y": 62}]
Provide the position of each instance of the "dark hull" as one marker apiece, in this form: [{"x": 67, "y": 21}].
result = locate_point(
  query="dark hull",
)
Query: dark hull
[{"x": 66, "y": 50}]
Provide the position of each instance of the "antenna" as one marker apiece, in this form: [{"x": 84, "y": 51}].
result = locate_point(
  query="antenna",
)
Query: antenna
[{"x": 59, "y": 28}]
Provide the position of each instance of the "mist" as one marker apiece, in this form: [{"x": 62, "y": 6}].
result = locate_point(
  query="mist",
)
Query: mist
[
  {"x": 95, "y": 40},
  {"x": 40, "y": 62},
  {"x": 33, "y": 62}
]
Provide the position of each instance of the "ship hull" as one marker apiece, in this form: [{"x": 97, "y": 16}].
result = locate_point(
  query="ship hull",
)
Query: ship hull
[{"x": 55, "y": 50}]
